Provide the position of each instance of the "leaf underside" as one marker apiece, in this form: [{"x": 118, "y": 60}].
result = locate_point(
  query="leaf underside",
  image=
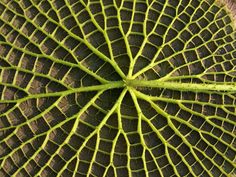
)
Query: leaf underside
[{"x": 117, "y": 88}]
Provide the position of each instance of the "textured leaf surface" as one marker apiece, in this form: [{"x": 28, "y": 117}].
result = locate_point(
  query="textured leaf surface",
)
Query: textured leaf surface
[{"x": 117, "y": 88}]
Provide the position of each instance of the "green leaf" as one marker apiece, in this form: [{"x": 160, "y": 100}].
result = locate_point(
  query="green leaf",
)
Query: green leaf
[{"x": 117, "y": 88}]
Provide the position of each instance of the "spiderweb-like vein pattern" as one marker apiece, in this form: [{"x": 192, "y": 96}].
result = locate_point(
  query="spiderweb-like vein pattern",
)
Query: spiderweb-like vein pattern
[{"x": 68, "y": 104}]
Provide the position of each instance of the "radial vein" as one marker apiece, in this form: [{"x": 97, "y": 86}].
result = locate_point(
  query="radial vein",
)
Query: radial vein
[{"x": 196, "y": 87}]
